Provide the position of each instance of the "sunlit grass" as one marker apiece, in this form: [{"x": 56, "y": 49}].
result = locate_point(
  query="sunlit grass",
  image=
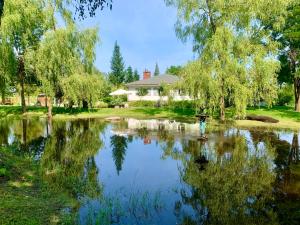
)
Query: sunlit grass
[{"x": 24, "y": 198}]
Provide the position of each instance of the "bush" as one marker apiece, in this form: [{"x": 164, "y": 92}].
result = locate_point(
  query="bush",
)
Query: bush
[
  {"x": 100, "y": 104},
  {"x": 285, "y": 95},
  {"x": 143, "y": 104},
  {"x": 142, "y": 92}
]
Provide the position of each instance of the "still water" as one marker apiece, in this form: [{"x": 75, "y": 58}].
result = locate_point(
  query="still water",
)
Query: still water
[{"x": 158, "y": 171}]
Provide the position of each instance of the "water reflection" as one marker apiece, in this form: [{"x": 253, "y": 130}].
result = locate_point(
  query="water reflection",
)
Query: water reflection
[
  {"x": 236, "y": 176},
  {"x": 68, "y": 161},
  {"x": 118, "y": 146}
]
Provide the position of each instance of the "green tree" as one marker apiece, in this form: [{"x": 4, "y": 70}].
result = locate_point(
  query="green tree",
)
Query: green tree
[
  {"x": 136, "y": 75},
  {"x": 156, "y": 71},
  {"x": 236, "y": 61},
  {"x": 174, "y": 70},
  {"x": 82, "y": 88},
  {"x": 117, "y": 75},
  {"x": 63, "y": 53},
  {"x": 142, "y": 92},
  {"x": 129, "y": 75},
  {"x": 290, "y": 54},
  {"x": 22, "y": 26}
]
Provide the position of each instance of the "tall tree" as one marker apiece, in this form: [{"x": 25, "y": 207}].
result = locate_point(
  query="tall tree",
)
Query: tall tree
[
  {"x": 174, "y": 70},
  {"x": 62, "y": 53},
  {"x": 156, "y": 71},
  {"x": 22, "y": 25},
  {"x": 290, "y": 54},
  {"x": 136, "y": 75},
  {"x": 117, "y": 75},
  {"x": 236, "y": 61},
  {"x": 129, "y": 75}
]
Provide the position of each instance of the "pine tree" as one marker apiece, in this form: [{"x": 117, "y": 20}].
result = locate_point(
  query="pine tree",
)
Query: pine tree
[
  {"x": 117, "y": 75},
  {"x": 156, "y": 71},
  {"x": 136, "y": 75},
  {"x": 129, "y": 75}
]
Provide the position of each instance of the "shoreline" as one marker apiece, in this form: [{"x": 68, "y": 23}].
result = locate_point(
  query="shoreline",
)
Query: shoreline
[{"x": 186, "y": 115}]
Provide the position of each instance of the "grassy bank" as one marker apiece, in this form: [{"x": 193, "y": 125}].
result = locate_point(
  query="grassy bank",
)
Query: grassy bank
[
  {"x": 288, "y": 119},
  {"x": 24, "y": 198}
]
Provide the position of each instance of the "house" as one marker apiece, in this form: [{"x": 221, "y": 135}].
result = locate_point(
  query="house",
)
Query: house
[{"x": 153, "y": 86}]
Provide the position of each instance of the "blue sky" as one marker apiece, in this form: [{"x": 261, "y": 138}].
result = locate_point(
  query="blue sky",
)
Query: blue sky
[{"x": 145, "y": 32}]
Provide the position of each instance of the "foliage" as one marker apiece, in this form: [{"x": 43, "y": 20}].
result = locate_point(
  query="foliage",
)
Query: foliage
[
  {"x": 236, "y": 54},
  {"x": 174, "y": 70},
  {"x": 142, "y": 91},
  {"x": 22, "y": 26},
  {"x": 182, "y": 104},
  {"x": 142, "y": 104},
  {"x": 156, "y": 71},
  {"x": 136, "y": 75},
  {"x": 90, "y": 6},
  {"x": 84, "y": 87},
  {"x": 129, "y": 75},
  {"x": 285, "y": 95},
  {"x": 117, "y": 75},
  {"x": 63, "y": 53},
  {"x": 289, "y": 36}
]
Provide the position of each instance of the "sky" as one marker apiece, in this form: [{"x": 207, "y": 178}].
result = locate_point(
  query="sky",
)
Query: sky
[{"x": 144, "y": 30}]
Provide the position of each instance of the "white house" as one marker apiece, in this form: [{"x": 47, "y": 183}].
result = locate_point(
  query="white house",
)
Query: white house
[{"x": 153, "y": 84}]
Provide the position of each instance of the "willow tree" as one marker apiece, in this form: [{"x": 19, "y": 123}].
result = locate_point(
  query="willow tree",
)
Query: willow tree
[
  {"x": 236, "y": 61},
  {"x": 22, "y": 25},
  {"x": 7, "y": 67},
  {"x": 83, "y": 88},
  {"x": 62, "y": 53}
]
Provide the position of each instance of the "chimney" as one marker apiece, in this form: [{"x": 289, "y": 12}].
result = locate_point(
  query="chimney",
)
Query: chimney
[{"x": 146, "y": 75}]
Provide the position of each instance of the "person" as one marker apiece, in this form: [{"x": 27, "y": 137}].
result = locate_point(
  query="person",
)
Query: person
[
  {"x": 202, "y": 122},
  {"x": 202, "y": 119}
]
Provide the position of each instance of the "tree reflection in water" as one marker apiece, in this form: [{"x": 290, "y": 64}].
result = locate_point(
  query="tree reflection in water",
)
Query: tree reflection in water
[
  {"x": 232, "y": 187},
  {"x": 68, "y": 161},
  {"x": 119, "y": 145}
]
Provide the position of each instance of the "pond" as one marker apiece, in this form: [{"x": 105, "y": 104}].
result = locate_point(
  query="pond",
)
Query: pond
[{"x": 133, "y": 171}]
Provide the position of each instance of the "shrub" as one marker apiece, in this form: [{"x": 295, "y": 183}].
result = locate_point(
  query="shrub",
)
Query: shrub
[
  {"x": 285, "y": 95},
  {"x": 101, "y": 104},
  {"x": 143, "y": 104},
  {"x": 142, "y": 92}
]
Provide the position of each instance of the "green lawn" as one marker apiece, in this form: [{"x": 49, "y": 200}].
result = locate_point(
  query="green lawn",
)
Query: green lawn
[{"x": 24, "y": 198}]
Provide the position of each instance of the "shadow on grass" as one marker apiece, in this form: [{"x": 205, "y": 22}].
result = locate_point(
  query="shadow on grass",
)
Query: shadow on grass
[{"x": 17, "y": 110}]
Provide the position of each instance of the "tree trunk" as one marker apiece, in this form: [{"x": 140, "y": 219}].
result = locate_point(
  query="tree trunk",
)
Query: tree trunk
[
  {"x": 49, "y": 108},
  {"x": 297, "y": 93},
  {"x": 28, "y": 99},
  {"x": 85, "y": 104},
  {"x": 3, "y": 98},
  {"x": 222, "y": 108},
  {"x": 21, "y": 74}
]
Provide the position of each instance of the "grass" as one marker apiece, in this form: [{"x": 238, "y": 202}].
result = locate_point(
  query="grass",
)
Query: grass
[
  {"x": 62, "y": 113},
  {"x": 288, "y": 119},
  {"x": 24, "y": 198}
]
